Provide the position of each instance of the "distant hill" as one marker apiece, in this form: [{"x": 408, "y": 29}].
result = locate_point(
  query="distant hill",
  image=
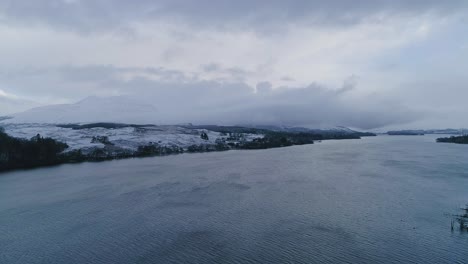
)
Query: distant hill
[
  {"x": 338, "y": 130},
  {"x": 406, "y": 133},
  {"x": 448, "y": 131}
]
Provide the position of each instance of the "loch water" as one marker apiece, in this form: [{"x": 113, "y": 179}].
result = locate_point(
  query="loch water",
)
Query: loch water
[{"x": 382, "y": 199}]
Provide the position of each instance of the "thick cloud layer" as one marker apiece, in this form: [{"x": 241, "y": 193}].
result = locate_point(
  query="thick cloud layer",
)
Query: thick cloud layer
[
  {"x": 363, "y": 63},
  {"x": 169, "y": 97},
  {"x": 90, "y": 15}
]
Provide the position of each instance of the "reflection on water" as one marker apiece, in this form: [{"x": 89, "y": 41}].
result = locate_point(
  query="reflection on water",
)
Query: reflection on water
[{"x": 373, "y": 200}]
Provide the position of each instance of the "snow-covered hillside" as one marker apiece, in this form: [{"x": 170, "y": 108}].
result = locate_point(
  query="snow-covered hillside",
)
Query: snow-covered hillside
[
  {"x": 42, "y": 144},
  {"x": 125, "y": 137}
]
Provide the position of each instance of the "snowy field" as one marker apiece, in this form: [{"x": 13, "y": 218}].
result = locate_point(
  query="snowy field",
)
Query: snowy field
[{"x": 126, "y": 137}]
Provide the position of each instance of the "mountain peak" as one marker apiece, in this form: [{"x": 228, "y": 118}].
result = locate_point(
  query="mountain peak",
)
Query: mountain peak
[{"x": 91, "y": 109}]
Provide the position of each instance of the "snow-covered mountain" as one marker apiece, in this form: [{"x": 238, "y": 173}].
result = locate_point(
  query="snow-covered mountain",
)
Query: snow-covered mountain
[
  {"x": 132, "y": 110},
  {"x": 91, "y": 109}
]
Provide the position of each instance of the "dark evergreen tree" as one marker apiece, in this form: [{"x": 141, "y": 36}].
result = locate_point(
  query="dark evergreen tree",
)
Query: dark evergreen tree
[
  {"x": 21, "y": 153},
  {"x": 204, "y": 136}
]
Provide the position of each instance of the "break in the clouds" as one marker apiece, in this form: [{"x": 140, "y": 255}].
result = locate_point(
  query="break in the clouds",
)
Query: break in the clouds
[{"x": 365, "y": 64}]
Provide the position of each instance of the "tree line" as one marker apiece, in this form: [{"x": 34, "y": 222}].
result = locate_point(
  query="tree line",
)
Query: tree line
[{"x": 23, "y": 153}]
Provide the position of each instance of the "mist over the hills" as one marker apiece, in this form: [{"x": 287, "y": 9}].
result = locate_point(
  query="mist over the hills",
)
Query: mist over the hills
[
  {"x": 210, "y": 102},
  {"x": 363, "y": 64}
]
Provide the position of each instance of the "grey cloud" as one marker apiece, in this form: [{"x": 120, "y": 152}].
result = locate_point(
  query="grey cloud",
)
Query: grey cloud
[
  {"x": 212, "y": 67},
  {"x": 349, "y": 84},
  {"x": 264, "y": 87},
  {"x": 231, "y": 103},
  {"x": 287, "y": 79},
  {"x": 78, "y": 81},
  {"x": 91, "y": 15},
  {"x": 180, "y": 98},
  {"x": 235, "y": 73},
  {"x": 277, "y": 12},
  {"x": 104, "y": 73}
]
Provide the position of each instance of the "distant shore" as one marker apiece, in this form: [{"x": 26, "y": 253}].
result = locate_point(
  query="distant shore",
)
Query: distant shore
[
  {"x": 73, "y": 143},
  {"x": 454, "y": 139}
]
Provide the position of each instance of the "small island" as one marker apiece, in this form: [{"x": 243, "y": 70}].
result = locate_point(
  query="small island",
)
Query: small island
[
  {"x": 454, "y": 139},
  {"x": 406, "y": 133}
]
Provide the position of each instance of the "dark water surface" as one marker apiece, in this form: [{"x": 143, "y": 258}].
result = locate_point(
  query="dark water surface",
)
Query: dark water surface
[{"x": 375, "y": 200}]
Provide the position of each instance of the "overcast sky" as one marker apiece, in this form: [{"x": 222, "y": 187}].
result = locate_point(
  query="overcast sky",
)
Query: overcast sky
[{"x": 367, "y": 64}]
